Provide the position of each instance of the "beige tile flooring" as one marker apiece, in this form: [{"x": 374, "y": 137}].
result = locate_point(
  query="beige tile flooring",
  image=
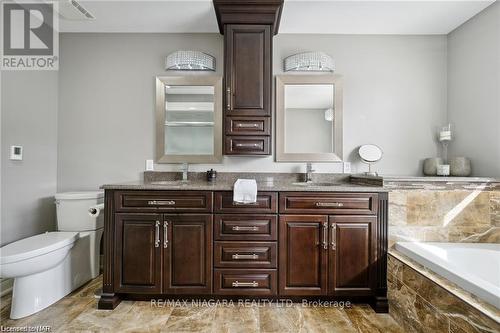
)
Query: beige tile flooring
[{"x": 78, "y": 313}]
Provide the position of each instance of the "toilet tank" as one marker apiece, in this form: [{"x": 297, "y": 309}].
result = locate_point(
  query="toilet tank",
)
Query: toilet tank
[{"x": 73, "y": 210}]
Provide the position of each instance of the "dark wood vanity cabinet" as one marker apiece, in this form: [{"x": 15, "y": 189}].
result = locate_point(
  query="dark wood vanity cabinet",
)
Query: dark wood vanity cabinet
[
  {"x": 333, "y": 244},
  {"x": 248, "y": 27},
  {"x": 162, "y": 253},
  {"x": 352, "y": 265},
  {"x": 247, "y": 82},
  {"x": 187, "y": 255},
  {"x": 287, "y": 244},
  {"x": 303, "y": 259},
  {"x": 247, "y": 69},
  {"x": 327, "y": 255},
  {"x": 138, "y": 254}
]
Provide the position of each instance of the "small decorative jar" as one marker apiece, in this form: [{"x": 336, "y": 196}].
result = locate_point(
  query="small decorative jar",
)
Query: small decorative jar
[
  {"x": 430, "y": 165},
  {"x": 460, "y": 167},
  {"x": 211, "y": 175}
]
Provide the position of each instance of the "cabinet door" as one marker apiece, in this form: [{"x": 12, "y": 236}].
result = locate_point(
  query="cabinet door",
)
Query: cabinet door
[
  {"x": 352, "y": 252},
  {"x": 248, "y": 70},
  {"x": 187, "y": 244},
  {"x": 137, "y": 253},
  {"x": 303, "y": 254}
]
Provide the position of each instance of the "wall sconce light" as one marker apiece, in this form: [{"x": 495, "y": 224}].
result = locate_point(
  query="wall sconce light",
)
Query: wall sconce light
[
  {"x": 189, "y": 61},
  {"x": 309, "y": 61}
]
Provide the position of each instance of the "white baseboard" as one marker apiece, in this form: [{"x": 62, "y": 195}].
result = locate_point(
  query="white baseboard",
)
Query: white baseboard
[{"x": 5, "y": 286}]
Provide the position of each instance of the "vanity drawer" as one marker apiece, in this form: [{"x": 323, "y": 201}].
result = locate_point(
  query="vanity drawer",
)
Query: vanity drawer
[
  {"x": 245, "y": 254},
  {"x": 245, "y": 227},
  {"x": 245, "y": 282},
  {"x": 248, "y": 125},
  {"x": 163, "y": 201},
  {"x": 266, "y": 203},
  {"x": 328, "y": 203},
  {"x": 241, "y": 145}
]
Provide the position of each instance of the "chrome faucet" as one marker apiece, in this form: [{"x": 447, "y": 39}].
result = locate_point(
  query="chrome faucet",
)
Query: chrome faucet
[
  {"x": 309, "y": 172},
  {"x": 185, "y": 169}
]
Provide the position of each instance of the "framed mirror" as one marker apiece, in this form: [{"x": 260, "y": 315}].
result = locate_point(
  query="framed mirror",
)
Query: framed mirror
[
  {"x": 308, "y": 118},
  {"x": 189, "y": 119}
]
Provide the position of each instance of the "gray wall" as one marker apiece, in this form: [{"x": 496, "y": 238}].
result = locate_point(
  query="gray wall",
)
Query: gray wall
[
  {"x": 28, "y": 118},
  {"x": 474, "y": 91},
  {"x": 393, "y": 85}
]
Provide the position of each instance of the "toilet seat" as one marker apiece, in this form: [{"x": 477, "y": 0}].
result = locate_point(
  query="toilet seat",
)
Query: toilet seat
[{"x": 36, "y": 246}]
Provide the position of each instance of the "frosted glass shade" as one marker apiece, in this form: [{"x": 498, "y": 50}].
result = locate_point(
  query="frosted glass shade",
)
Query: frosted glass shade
[
  {"x": 309, "y": 61},
  {"x": 190, "y": 61}
]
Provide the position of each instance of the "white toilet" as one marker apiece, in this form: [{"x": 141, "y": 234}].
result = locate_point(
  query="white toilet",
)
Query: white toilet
[{"x": 48, "y": 266}]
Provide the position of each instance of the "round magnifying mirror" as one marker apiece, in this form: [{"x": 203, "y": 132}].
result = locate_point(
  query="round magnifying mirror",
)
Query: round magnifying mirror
[{"x": 370, "y": 154}]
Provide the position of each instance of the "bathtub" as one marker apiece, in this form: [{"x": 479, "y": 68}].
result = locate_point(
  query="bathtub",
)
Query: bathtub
[{"x": 473, "y": 266}]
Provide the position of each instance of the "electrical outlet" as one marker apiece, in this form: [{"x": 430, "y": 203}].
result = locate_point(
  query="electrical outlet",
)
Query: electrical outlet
[
  {"x": 16, "y": 153},
  {"x": 347, "y": 167},
  {"x": 150, "y": 165}
]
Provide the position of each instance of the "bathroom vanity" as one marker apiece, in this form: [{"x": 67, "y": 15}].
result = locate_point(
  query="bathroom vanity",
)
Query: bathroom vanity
[{"x": 168, "y": 239}]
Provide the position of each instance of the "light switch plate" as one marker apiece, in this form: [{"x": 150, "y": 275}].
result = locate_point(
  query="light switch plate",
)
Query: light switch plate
[
  {"x": 150, "y": 165},
  {"x": 16, "y": 153},
  {"x": 347, "y": 167}
]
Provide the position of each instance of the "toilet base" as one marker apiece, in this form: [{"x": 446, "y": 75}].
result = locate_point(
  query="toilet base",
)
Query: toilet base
[{"x": 35, "y": 292}]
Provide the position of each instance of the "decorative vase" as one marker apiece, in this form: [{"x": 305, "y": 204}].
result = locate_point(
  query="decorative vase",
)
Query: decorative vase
[
  {"x": 460, "y": 167},
  {"x": 430, "y": 165}
]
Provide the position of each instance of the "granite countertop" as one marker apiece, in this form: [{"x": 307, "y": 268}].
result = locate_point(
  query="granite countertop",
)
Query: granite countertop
[
  {"x": 165, "y": 180},
  {"x": 224, "y": 185}
]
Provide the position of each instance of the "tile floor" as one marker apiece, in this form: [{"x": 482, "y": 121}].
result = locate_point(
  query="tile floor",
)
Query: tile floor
[{"x": 78, "y": 313}]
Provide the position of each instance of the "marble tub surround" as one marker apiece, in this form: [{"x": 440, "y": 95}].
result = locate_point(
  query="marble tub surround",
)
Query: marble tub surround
[
  {"x": 422, "y": 301},
  {"x": 427, "y": 183},
  {"x": 155, "y": 180},
  {"x": 444, "y": 216},
  {"x": 78, "y": 313}
]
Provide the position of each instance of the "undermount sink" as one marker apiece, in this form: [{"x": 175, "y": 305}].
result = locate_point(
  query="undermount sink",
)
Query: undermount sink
[
  {"x": 171, "y": 182},
  {"x": 314, "y": 184}
]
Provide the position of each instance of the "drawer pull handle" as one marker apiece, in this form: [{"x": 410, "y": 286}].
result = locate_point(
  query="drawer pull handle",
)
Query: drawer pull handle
[
  {"x": 325, "y": 237},
  {"x": 252, "y": 284},
  {"x": 161, "y": 202},
  {"x": 238, "y": 228},
  {"x": 165, "y": 235},
  {"x": 251, "y": 145},
  {"x": 229, "y": 98},
  {"x": 334, "y": 236},
  {"x": 329, "y": 204},
  {"x": 245, "y": 256},
  {"x": 157, "y": 234},
  {"x": 242, "y": 125}
]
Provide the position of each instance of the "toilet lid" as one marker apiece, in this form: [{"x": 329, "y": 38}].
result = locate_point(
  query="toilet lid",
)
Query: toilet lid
[{"x": 36, "y": 245}]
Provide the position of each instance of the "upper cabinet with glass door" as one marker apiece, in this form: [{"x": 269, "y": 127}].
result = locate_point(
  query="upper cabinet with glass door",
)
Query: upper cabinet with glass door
[
  {"x": 189, "y": 119},
  {"x": 309, "y": 118}
]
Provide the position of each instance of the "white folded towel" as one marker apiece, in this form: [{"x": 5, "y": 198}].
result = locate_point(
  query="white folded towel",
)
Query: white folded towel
[{"x": 245, "y": 191}]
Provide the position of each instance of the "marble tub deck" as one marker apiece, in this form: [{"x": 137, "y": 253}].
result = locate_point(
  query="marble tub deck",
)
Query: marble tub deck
[
  {"x": 424, "y": 302},
  {"x": 78, "y": 313}
]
